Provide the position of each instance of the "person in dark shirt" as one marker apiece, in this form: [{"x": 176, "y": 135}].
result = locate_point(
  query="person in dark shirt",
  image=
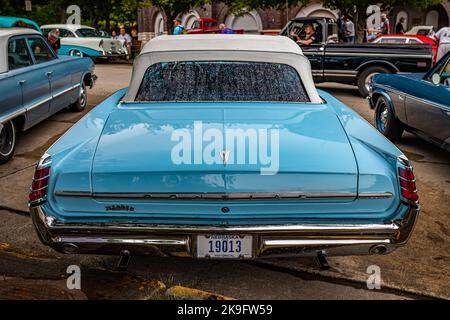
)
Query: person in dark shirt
[
  {"x": 307, "y": 37},
  {"x": 399, "y": 27}
]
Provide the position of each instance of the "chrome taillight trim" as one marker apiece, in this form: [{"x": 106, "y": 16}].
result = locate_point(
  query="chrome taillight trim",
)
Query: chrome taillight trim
[
  {"x": 44, "y": 162},
  {"x": 404, "y": 163}
]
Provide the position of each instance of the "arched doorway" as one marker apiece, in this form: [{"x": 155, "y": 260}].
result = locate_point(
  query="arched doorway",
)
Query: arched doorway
[
  {"x": 188, "y": 19},
  {"x": 159, "y": 24},
  {"x": 317, "y": 10},
  {"x": 250, "y": 22},
  {"x": 432, "y": 18}
]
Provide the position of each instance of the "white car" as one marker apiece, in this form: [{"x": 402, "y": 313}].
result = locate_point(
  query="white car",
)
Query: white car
[
  {"x": 84, "y": 41},
  {"x": 422, "y": 30}
]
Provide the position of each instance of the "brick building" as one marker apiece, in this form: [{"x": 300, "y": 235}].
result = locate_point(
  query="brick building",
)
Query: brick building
[{"x": 151, "y": 21}]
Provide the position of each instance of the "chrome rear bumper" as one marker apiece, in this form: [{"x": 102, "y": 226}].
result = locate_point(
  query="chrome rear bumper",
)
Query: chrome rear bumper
[{"x": 268, "y": 240}]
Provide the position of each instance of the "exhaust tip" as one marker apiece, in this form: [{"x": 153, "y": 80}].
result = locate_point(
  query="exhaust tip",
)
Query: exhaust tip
[
  {"x": 378, "y": 249},
  {"x": 69, "y": 248}
]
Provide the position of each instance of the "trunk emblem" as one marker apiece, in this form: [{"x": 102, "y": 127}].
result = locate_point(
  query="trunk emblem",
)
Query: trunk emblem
[
  {"x": 120, "y": 207},
  {"x": 225, "y": 156}
]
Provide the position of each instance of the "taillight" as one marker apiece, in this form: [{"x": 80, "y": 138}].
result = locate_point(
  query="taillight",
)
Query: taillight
[
  {"x": 39, "y": 185},
  {"x": 407, "y": 180}
]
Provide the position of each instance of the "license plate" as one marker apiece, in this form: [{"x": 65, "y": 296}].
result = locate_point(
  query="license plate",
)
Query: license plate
[{"x": 221, "y": 246}]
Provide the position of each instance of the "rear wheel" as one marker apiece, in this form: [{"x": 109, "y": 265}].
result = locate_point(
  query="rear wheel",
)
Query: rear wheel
[
  {"x": 366, "y": 75},
  {"x": 7, "y": 141},
  {"x": 81, "y": 102},
  {"x": 386, "y": 122}
]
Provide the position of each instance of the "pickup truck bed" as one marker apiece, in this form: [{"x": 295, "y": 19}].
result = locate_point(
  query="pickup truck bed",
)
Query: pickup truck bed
[{"x": 357, "y": 63}]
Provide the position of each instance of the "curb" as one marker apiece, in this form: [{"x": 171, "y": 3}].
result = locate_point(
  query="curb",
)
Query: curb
[
  {"x": 8, "y": 249},
  {"x": 185, "y": 293}
]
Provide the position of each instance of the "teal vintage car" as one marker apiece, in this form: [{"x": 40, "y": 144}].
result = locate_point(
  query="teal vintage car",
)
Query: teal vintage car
[
  {"x": 222, "y": 148},
  {"x": 418, "y": 103},
  {"x": 10, "y": 22},
  {"x": 35, "y": 83}
]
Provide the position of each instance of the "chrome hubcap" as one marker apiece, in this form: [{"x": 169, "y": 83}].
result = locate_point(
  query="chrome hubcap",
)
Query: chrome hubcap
[
  {"x": 7, "y": 138},
  {"x": 383, "y": 116},
  {"x": 82, "y": 97},
  {"x": 368, "y": 79}
]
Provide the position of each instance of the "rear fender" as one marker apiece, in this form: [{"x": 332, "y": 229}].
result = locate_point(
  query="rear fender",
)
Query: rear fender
[{"x": 377, "y": 63}]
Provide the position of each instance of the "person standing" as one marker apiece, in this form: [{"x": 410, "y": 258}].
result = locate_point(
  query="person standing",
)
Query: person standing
[
  {"x": 385, "y": 25},
  {"x": 349, "y": 30},
  {"x": 443, "y": 37},
  {"x": 400, "y": 28},
  {"x": 178, "y": 27},
  {"x": 128, "y": 40},
  {"x": 341, "y": 28}
]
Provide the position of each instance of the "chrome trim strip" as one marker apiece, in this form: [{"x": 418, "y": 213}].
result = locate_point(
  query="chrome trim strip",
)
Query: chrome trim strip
[
  {"x": 354, "y": 72},
  {"x": 361, "y": 54},
  {"x": 291, "y": 239},
  {"x": 281, "y": 243},
  {"x": 37, "y": 104},
  {"x": 36, "y": 190},
  {"x": 340, "y": 75},
  {"x": 41, "y": 178},
  {"x": 66, "y": 90},
  {"x": 12, "y": 115},
  {"x": 61, "y": 226},
  {"x": 374, "y": 195},
  {"x": 423, "y": 101},
  {"x": 109, "y": 240},
  {"x": 224, "y": 196}
]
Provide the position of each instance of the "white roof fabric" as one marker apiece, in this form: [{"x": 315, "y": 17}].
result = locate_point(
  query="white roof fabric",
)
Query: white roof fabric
[{"x": 217, "y": 47}]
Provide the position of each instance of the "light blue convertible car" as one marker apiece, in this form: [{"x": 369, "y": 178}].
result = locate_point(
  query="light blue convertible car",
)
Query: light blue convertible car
[
  {"x": 418, "y": 103},
  {"x": 35, "y": 83},
  {"x": 222, "y": 148}
]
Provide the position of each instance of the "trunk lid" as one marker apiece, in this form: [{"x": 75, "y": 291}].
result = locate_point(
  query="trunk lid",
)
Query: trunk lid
[{"x": 164, "y": 148}]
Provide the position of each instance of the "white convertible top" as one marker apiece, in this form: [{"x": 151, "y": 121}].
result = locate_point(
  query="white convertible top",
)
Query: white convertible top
[
  {"x": 221, "y": 42},
  {"x": 218, "y": 47},
  {"x": 5, "y": 34}
]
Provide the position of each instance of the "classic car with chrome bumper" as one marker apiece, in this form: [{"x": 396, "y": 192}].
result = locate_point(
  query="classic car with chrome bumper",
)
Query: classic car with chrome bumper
[
  {"x": 268, "y": 240},
  {"x": 117, "y": 180},
  {"x": 402, "y": 103}
]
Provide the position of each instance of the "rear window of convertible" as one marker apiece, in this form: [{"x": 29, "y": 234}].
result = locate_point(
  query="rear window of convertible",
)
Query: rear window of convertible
[{"x": 221, "y": 81}]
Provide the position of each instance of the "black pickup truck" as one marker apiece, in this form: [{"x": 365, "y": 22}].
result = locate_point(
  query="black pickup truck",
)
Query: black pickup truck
[{"x": 355, "y": 64}]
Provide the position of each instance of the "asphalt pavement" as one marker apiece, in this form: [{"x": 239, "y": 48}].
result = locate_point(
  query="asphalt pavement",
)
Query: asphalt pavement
[{"x": 28, "y": 269}]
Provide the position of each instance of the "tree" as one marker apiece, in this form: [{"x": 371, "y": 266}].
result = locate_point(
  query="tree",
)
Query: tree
[
  {"x": 171, "y": 9},
  {"x": 357, "y": 9}
]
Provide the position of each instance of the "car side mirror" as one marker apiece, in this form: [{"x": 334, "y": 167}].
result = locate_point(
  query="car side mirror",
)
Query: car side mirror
[{"x": 436, "y": 78}]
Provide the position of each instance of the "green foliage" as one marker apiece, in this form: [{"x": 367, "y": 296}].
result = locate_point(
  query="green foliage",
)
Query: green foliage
[{"x": 112, "y": 13}]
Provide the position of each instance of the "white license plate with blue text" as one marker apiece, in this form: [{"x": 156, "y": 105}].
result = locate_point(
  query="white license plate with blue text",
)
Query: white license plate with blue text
[{"x": 224, "y": 246}]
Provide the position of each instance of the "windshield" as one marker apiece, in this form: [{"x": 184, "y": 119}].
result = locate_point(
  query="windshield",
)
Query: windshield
[
  {"x": 221, "y": 81},
  {"x": 88, "y": 33}
]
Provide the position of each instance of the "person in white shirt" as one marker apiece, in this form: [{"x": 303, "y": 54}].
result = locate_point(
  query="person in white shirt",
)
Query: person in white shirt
[
  {"x": 349, "y": 30},
  {"x": 443, "y": 37}
]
